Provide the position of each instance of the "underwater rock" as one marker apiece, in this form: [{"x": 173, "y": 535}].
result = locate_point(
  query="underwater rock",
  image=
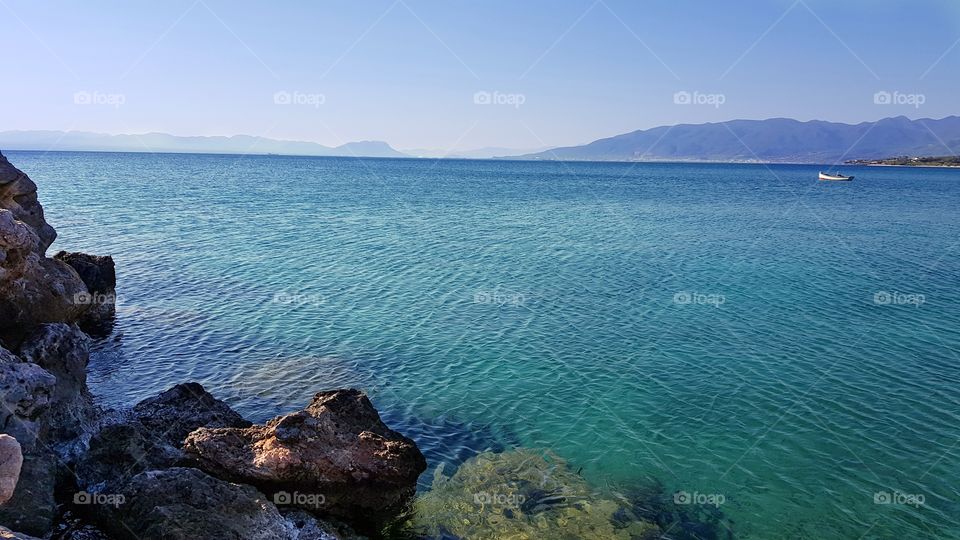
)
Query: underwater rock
[
  {"x": 337, "y": 455},
  {"x": 521, "y": 494}
]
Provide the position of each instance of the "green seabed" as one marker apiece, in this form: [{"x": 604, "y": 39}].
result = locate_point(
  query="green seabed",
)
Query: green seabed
[{"x": 533, "y": 494}]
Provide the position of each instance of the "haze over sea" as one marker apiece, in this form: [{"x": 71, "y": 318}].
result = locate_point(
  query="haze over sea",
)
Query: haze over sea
[{"x": 740, "y": 330}]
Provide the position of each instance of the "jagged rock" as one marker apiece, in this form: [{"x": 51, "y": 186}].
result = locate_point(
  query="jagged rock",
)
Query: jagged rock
[
  {"x": 99, "y": 275},
  {"x": 118, "y": 453},
  {"x": 7, "y": 534},
  {"x": 33, "y": 288},
  {"x": 25, "y": 393},
  {"x": 19, "y": 195},
  {"x": 184, "y": 408},
  {"x": 32, "y": 508},
  {"x": 336, "y": 455},
  {"x": 11, "y": 459},
  {"x": 64, "y": 351},
  {"x": 184, "y": 503},
  {"x": 307, "y": 527}
]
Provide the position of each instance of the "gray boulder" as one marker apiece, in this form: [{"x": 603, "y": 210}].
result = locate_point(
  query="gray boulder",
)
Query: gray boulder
[
  {"x": 176, "y": 412},
  {"x": 26, "y": 391},
  {"x": 32, "y": 509}
]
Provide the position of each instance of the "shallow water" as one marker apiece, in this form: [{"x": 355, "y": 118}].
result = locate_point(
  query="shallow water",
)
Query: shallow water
[{"x": 490, "y": 305}]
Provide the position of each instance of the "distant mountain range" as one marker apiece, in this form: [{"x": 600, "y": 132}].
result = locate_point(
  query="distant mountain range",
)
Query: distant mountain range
[
  {"x": 478, "y": 153},
  {"x": 161, "y": 142},
  {"x": 773, "y": 140}
]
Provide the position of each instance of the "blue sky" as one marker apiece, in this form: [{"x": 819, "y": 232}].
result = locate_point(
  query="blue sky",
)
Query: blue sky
[{"x": 409, "y": 71}]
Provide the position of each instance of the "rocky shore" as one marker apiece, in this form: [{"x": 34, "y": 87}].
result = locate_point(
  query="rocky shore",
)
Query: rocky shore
[{"x": 178, "y": 465}]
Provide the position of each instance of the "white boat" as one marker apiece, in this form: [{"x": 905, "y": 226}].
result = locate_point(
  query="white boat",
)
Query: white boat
[{"x": 835, "y": 177}]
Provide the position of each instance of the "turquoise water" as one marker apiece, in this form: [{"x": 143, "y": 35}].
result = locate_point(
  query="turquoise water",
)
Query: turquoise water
[{"x": 502, "y": 304}]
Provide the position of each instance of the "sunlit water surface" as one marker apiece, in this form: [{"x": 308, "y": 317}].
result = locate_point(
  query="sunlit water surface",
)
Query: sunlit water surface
[{"x": 493, "y": 305}]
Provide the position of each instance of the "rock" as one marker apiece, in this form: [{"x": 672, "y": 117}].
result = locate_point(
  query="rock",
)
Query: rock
[
  {"x": 98, "y": 273},
  {"x": 335, "y": 458},
  {"x": 33, "y": 288},
  {"x": 7, "y": 534},
  {"x": 19, "y": 195},
  {"x": 184, "y": 408},
  {"x": 118, "y": 453},
  {"x": 25, "y": 393},
  {"x": 11, "y": 459},
  {"x": 306, "y": 527},
  {"x": 64, "y": 351},
  {"x": 32, "y": 508},
  {"x": 184, "y": 504}
]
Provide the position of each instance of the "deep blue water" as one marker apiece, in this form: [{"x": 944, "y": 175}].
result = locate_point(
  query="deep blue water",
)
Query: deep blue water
[{"x": 487, "y": 304}]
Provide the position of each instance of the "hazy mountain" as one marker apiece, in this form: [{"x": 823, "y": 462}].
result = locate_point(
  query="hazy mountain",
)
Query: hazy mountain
[
  {"x": 162, "y": 142},
  {"x": 777, "y": 139},
  {"x": 477, "y": 153}
]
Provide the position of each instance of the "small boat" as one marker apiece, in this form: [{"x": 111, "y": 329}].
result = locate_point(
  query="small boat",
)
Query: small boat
[{"x": 835, "y": 177}]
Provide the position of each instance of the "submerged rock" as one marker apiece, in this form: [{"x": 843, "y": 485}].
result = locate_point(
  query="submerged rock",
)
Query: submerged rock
[
  {"x": 521, "y": 494},
  {"x": 336, "y": 458},
  {"x": 11, "y": 460}
]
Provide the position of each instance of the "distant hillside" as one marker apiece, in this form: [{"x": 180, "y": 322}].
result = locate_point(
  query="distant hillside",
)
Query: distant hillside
[
  {"x": 774, "y": 140},
  {"x": 162, "y": 142},
  {"x": 477, "y": 153}
]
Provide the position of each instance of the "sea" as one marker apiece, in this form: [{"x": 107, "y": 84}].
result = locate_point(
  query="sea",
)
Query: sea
[{"x": 784, "y": 349}]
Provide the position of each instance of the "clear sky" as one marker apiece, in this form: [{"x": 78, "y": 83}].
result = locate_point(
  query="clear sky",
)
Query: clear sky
[{"x": 409, "y": 71}]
